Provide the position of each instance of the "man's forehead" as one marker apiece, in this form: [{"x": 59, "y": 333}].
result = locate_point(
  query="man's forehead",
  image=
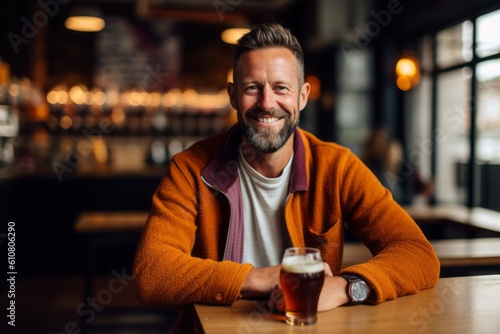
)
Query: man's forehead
[
  {"x": 275, "y": 50},
  {"x": 268, "y": 59}
]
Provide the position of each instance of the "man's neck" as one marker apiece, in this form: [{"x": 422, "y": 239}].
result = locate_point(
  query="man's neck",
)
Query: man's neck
[{"x": 269, "y": 164}]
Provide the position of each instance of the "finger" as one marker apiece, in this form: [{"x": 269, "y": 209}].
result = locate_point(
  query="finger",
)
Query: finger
[
  {"x": 328, "y": 270},
  {"x": 280, "y": 304},
  {"x": 273, "y": 298}
]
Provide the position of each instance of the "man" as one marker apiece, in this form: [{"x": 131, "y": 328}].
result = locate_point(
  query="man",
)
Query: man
[{"x": 229, "y": 205}]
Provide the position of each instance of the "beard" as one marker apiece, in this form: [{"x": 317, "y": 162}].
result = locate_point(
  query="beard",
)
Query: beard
[{"x": 263, "y": 139}]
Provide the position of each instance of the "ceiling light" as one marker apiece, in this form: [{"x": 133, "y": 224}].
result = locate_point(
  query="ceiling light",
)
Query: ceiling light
[
  {"x": 406, "y": 67},
  {"x": 87, "y": 19},
  {"x": 407, "y": 71},
  {"x": 231, "y": 36}
]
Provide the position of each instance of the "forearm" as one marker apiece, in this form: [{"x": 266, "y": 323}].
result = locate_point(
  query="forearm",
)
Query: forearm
[
  {"x": 402, "y": 269},
  {"x": 177, "y": 280},
  {"x": 167, "y": 275}
]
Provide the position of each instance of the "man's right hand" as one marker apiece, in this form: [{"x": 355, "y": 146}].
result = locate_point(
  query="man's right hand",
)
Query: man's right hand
[
  {"x": 261, "y": 281},
  {"x": 333, "y": 293}
]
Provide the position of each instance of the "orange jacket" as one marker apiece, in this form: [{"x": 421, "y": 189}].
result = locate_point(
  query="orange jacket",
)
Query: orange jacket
[{"x": 179, "y": 259}]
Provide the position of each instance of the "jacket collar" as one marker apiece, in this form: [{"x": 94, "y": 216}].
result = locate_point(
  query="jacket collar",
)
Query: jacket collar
[{"x": 222, "y": 171}]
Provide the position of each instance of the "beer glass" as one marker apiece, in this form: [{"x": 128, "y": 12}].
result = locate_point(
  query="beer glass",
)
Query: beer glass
[{"x": 301, "y": 277}]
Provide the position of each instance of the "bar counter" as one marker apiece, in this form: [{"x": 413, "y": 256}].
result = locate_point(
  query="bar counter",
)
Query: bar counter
[
  {"x": 456, "y": 305},
  {"x": 45, "y": 207}
]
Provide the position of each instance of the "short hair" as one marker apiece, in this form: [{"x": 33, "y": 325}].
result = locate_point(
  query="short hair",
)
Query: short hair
[{"x": 268, "y": 35}]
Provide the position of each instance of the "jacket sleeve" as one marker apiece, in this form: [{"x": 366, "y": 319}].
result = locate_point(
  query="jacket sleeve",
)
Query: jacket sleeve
[
  {"x": 404, "y": 261},
  {"x": 165, "y": 272}
]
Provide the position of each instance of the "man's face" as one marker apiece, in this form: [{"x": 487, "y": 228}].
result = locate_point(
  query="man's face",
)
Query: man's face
[{"x": 267, "y": 97}]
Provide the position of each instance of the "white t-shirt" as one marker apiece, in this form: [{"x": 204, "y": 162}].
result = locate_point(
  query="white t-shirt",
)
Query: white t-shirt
[{"x": 265, "y": 233}]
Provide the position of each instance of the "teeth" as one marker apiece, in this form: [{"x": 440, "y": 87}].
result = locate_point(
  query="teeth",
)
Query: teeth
[{"x": 268, "y": 119}]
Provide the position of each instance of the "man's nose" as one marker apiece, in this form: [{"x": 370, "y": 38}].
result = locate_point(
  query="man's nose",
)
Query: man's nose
[{"x": 266, "y": 99}]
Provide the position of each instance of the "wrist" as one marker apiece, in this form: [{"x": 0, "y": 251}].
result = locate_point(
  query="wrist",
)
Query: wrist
[{"x": 260, "y": 282}]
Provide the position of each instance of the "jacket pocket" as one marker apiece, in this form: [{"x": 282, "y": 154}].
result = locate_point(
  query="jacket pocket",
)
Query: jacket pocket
[{"x": 330, "y": 243}]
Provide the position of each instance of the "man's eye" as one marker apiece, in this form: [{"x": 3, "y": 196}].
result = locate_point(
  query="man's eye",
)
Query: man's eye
[
  {"x": 251, "y": 88},
  {"x": 281, "y": 88}
]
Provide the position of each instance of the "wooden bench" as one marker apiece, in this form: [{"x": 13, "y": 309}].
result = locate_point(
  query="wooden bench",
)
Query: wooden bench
[{"x": 451, "y": 253}]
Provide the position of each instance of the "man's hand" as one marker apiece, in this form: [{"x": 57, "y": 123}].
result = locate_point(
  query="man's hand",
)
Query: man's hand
[
  {"x": 261, "y": 281},
  {"x": 333, "y": 293}
]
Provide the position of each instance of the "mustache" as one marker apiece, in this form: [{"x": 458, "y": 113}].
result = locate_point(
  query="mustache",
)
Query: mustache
[{"x": 259, "y": 112}]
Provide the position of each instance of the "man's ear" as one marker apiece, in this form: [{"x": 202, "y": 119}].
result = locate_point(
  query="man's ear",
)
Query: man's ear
[
  {"x": 304, "y": 95},
  {"x": 231, "y": 91}
]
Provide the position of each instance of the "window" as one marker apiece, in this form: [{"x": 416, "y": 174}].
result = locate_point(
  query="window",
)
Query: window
[
  {"x": 488, "y": 111},
  {"x": 487, "y": 39},
  {"x": 452, "y": 132},
  {"x": 455, "y": 110},
  {"x": 454, "y": 45},
  {"x": 353, "y": 98}
]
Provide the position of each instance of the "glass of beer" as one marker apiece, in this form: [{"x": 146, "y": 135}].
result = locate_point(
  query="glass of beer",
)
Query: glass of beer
[{"x": 301, "y": 277}]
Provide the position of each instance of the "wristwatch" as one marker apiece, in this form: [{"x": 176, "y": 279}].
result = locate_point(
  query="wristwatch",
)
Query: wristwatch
[{"x": 357, "y": 289}]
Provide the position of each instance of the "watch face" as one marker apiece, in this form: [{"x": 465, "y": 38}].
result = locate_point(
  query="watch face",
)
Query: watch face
[{"x": 359, "y": 291}]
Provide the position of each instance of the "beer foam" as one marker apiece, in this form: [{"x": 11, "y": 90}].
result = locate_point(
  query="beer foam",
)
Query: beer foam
[{"x": 300, "y": 264}]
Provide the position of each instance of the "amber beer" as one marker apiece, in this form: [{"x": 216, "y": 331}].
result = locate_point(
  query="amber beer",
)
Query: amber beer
[{"x": 302, "y": 275}]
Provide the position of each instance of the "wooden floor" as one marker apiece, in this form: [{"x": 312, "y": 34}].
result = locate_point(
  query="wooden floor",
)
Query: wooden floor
[{"x": 50, "y": 304}]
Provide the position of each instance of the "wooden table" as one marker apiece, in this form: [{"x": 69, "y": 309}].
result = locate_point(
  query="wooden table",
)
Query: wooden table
[
  {"x": 476, "y": 218},
  {"x": 98, "y": 222},
  {"x": 455, "y": 305}
]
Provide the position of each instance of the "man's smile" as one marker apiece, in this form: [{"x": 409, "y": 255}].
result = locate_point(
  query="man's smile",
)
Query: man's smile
[{"x": 268, "y": 120}]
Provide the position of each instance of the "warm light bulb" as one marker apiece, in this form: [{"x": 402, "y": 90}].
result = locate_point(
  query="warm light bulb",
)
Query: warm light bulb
[
  {"x": 85, "y": 23},
  {"x": 231, "y": 36},
  {"x": 403, "y": 83},
  {"x": 66, "y": 122},
  {"x": 406, "y": 67},
  {"x": 52, "y": 97},
  {"x": 407, "y": 72}
]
